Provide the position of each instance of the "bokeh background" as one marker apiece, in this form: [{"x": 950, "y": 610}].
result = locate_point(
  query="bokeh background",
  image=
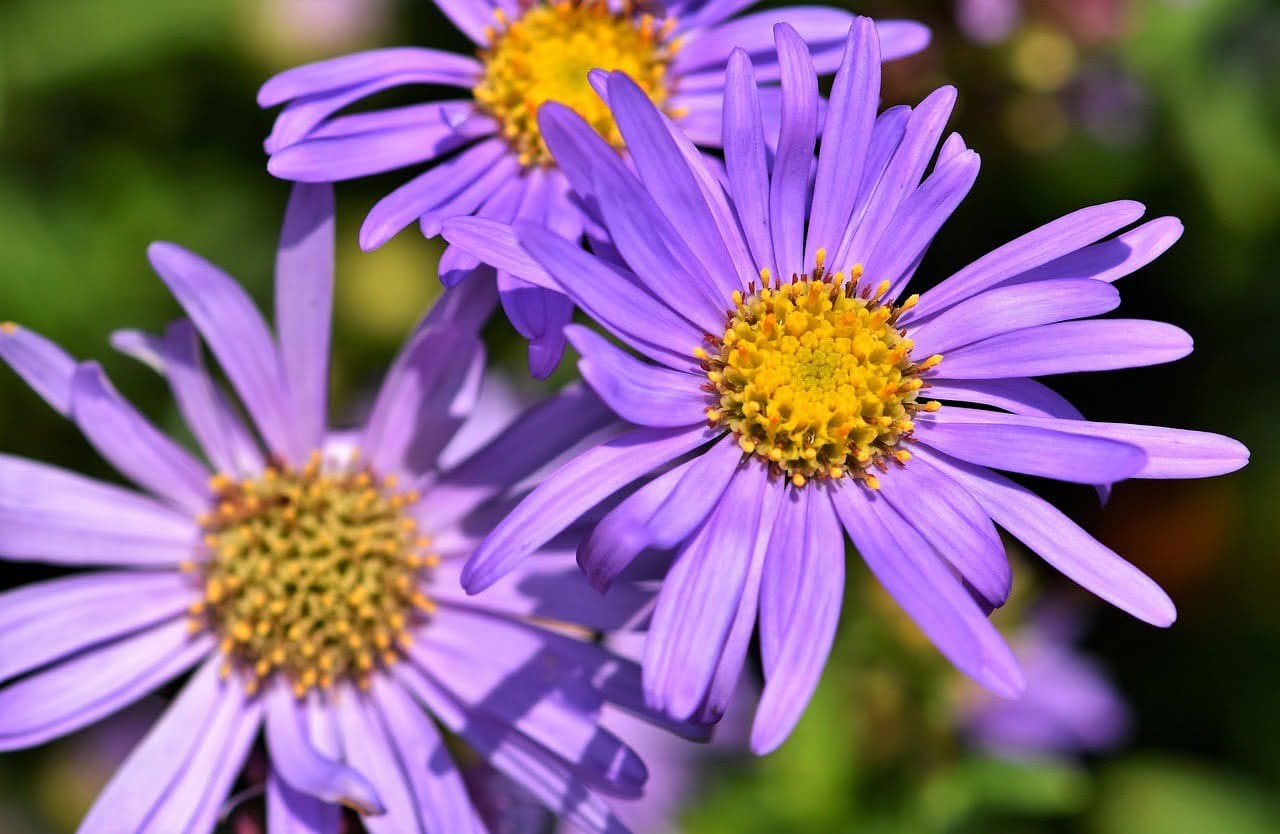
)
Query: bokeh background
[{"x": 127, "y": 121}]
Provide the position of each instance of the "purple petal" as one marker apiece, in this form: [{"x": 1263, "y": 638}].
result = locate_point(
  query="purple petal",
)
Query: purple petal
[
  {"x": 462, "y": 182},
  {"x": 1020, "y": 396},
  {"x": 661, "y": 514},
  {"x": 358, "y": 68},
  {"x": 1170, "y": 453},
  {"x": 136, "y": 448},
  {"x": 427, "y": 393},
  {"x": 1029, "y": 449},
  {"x": 451, "y": 113},
  {"x": 947, "y": 517},
  {"x": 90, "y": 686},
  {"x": 540, "y": 315},
  {"x": 1006, "y": 309},
  {"x": 472, "y": 17},
  {"x": 702, "y": 56},
  {"x": 647, "y": 395},
  {"x": 747, "y": 157},
  {"x": 1071, "y": 347},
  {"x": 495, "y": 243},
  {"x": 52, "y": 515},
  {"x": 700, "y": 597},
  {"x": 42, "y": 365},
  {"x": 1045, "y": 244},
  {"x": 216, "y": 426},
  {"x": 911, "y": 572},
  {"x": 614, "y": 300},
  {"x": 789, "y": 180},
  {"x": 557, "y": 422},
  {"x": 800, "y": 597},
  {"x": 234, "y": 330},
  {"x": 322, "y": 159},
  {"x": 304, "y": 308},
  {"x": 302, "y": 767},
  {"x": 47, "y": 621},
  {"x": 290, "y": 812},
  {"x": 143, "y": 781},
  {"x": 851, "y": 116},
  {"x": 572, "y": 490},
  {"x": 1061, "y": 542},
  {"x": 368, "y": 749},
  {"x": 440, "y": 794},
  {"x": 1113, "y": 259}
]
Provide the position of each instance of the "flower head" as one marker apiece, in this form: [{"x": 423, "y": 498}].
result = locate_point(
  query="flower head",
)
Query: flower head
[
  {"x": 486, "y": 153},
  {"x": 793, "y": 388},
  {"x": 309, "y": 576}
]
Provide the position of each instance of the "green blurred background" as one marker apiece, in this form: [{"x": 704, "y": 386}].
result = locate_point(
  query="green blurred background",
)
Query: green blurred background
[{"x": 127, "y": 121}]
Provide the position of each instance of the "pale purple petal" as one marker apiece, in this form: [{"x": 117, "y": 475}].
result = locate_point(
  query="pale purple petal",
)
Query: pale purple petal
[
  {"x": 789, "y": 179},
  {"x": 90, "y": 686},
  {"x": 304, "y": 309},
  {"x": 42, "y": 365},
  {"x": 1005, "y": 309},
  {"x": 661, "y": 514},
  {"x": 235, "y": 332},
  {"x": 52, "y": 515},
  {"x": 747, "y": 157},
  {"x": 324, "y": 158},
  {"x": 304, "y": 768},
  {"x": 44, "y": 622},
  {"x": 571, "y": 491},
  {"x": 369, "y": 751},
  {"x": 495, "y": 243},
  {"x": 800, "y": 597},
  {"x": 291, "y": 812},
  {"x": 472, "y": 17},
  {"x": 1071, "y": 347},
  {"x": 1061, "y": 542},
  {"x": 135, "y": 447},
  {"x": 912, "y": 573},
  {"x": 701, "y": 59},
  {"x": 349, "y": 70},
  {"x": 1029, "y": 449},
  {"x": 1113, "y": 259},
  {"x": 647, "y": 395}
]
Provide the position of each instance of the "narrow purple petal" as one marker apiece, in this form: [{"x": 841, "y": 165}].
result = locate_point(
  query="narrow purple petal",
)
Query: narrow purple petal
[
  {"x": 42, "y": 365},
  {"x": 647, "y": 395},
  {"x": 1036, "y": 248},
  {"x": 495, "y": 243},
  {"x": 789, "y": 179},
  {"x": 369, "y": 750},
  {"x": 235, "y": 332},
  {"x": 572, "y": 490},
  {"x": 136, "y": 448},
  {"x": 472, "y": 17},
  {"x": 304, "y": 309},
  {"x": 1071, "y": 347},
  {"x": 358, "y": 68},
  {"x": 800, "y": 598},
  {"x": 909, "y": 569},
  {"x": 851, "y": 116},
  {"x": 1010, "y": 308},
  {"x": 661, "y": 514},
  {"x": 1170, "y": 453},
  {"x": 291, "y": 812},
  {"x": 1061, "y": 542},
  {"x": 304, "y": 768},
  {"x": 1113, "y": 259},
  {"x": 427, "y": 393},
  {"x": 90, "y": 686},
  {"x": 52, "y": 515},
  {"x": 321, "y": 159},
  {"x": 1020, "y": 396},
  {"x": 1029, "y": 449},
  {"x": 44, "y": 622},
  {"x": 747, "y": 157},
  {"x": 540, "y": 315},
  {"x": 948, "y": 518},
  {"x": 705, "y": 52}
]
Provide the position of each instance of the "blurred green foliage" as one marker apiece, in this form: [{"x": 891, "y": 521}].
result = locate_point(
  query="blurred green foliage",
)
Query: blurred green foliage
[{"x": 127, "y": 121}]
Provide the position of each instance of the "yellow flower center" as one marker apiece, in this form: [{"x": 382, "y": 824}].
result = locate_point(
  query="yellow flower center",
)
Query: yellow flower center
[
  {"x": 545, "y": 55},
  {"x": 311, "y": 573},
  {"x": 815, "y": 378}
]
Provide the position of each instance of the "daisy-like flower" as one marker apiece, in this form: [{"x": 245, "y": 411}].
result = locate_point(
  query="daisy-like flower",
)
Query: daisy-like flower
[
  {"x": 485, "y": 151},
  {"x": 793, "y": 388},
  {"x": 310, "y": 579}
]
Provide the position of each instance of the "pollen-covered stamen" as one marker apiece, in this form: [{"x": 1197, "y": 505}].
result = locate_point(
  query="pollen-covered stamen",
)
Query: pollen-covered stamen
[
  {"x": 545, "y": 55},
  {"x": 311, "y": 573},
  {"x": 814, "y": 376}
]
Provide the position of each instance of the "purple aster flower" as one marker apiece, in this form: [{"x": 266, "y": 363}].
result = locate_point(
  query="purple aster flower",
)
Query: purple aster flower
[
  {"x": 792, "y": 388},
  {"x": 485, "y": 152},
  {"x": 1070, "y": 706},
  {"x": 312, "y": 582}
]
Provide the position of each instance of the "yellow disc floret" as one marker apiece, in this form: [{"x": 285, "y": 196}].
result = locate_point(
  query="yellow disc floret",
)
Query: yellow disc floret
[
  {"x": 310, "y": 573},
  {"x": 815, "y": 378},
  {"x": 545, "y": 55}
]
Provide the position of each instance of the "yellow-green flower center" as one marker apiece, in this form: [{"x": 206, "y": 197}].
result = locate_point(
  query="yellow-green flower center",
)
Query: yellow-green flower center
[
  {"x": 815, "y": 378},
  {"x": 545, "y": 55},
  {"x": 310, "y": 573}
]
